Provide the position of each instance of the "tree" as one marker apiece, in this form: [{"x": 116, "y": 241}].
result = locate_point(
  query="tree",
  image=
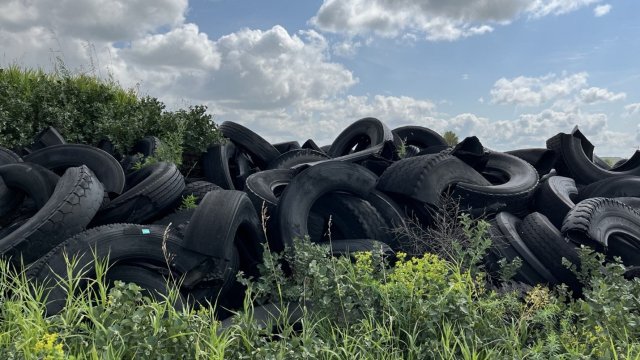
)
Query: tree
[{"x": 451, "y": 138}]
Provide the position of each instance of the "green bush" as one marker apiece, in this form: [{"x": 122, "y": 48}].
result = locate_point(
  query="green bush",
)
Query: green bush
[{"x": 86, "y": 110}]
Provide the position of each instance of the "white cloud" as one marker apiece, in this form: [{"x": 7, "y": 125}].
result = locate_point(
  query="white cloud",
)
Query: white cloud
[
  {"x": 535, "y": 91},
  {"x": 92, "y": 20},
  {"x": 594, "y": 95},
  {"x": 601, "y": 10},
  {"x": 436, "y": 20},
  {"x": 346, "y": 48},
  {"x": 632, "y": 109}
]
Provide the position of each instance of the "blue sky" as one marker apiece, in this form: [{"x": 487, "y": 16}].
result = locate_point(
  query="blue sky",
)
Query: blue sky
[{"x": 512, "y": 72}]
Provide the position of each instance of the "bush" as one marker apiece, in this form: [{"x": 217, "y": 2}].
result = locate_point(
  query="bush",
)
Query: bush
[{"x": 86, "y": 110}]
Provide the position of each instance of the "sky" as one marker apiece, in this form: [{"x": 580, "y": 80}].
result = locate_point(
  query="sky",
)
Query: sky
[{"x": 512, "y": 72}]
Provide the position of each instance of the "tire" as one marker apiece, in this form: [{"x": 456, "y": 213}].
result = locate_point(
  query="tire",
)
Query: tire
[
  {"x": 307, "y": 187},
  {"x": 177, "y": 221},
  {"x": 199, "y": 189},
  {"x": 74, "y": 202},
  {"x": 627, "y": 164},
  {"x": 119, "y": 243},
  {"x": 265, "y": 187},
  {"x": 515, "y": 194},
  {"x": 633, "y": 202},
  {"x": 286, "y": 146},
  {"x": 411, "y": 151},
  {"x": 620, "y": 186},
  {"x": 311, "y": 145},
  {"x": 351, "y": 218},
  {"x": 226, "y": 166},
  {"x": 151, "y": 192},
  {"x": 605, "y": 225},
  {"x": 47, "y": 137},
  {"x": 425, "y": 178},
  {"x": 236, "y": 224},
  {"x": 60, "y": 157},
  {"x": 574, "y": 161},
  {"x": 19, "y": 179},
  {"x": 419, "y": 136},
  {"x": 8, "y": 157},
  {"x": 532, "y": 269},
  {"x": 550, "y": 247},
  {"x": 296, "y": 157},
  {"x": 351, "y": 246},
  {"x": 258, "y": 148},
  {"x": 601, "y": 163},
  {"x": 360, "y": 135},
  {"x": 147, "y": 146},
  {"x": 555, "y": 198},
  {"x": 153, "y": 284},
  {"x": 501, "y": 248},
  {"x": 541, "y": 159}
]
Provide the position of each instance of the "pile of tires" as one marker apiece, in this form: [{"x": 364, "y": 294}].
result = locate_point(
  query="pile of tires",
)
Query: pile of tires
[{"x": 62, "y": 201}]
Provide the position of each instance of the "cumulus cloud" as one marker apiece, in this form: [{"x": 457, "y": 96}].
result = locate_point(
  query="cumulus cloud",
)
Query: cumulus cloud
[
  {"x": 435, "y": 19},
  {"x": 601, "y": 10},
  {"x": 347, "y": 48},
  {"x": 100, "y": 20},
  {"x": 534, "y": 91},
  {"x": 594, "y": 95}
]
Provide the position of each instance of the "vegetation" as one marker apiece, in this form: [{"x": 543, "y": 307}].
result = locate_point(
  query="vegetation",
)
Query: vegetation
[
  {"x": 86, "y": 110},
  {"x": 451, "y": 138},
  {"x": 419, "y": 308}
]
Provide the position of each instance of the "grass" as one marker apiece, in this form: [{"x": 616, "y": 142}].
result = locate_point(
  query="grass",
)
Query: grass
[{"x": 422, "y": 307}]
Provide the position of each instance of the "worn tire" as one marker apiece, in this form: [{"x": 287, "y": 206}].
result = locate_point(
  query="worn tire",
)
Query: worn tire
[
  {"x": 151, "y": 192},
  {"x": 360, "y": 135},
  {"x": 555, "y": 198},
  {"x": 540, "y": 158},
  {"x": 60, "y": 157},
  {"x": 226, "y": 166},
  {"x": 258, "y": 148},
  {"x": 296, "y": 157},
  {"x": 74, "y": 202},
  {"x": 419, "y": 136},
  {"x": 8, "y": 157}
]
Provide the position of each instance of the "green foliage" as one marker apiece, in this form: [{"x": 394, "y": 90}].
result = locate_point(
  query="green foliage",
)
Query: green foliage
[
  {"x": 189, "y": 202},
  {"x": 86, "y": 109},
  {"x": 451, "y": 138}
]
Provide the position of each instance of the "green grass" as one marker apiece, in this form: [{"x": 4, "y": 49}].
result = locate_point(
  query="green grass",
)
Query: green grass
[{"x": 423, "y": 307}]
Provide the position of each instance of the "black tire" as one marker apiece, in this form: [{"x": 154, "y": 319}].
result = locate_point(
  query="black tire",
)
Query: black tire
[
  {"x": 633, "y": 202},
  {"x": 151, "y": 192},
  {"x": 325, "y": 148},
  {"x": 360, "y": 135},
  {"x": 311, "y": 145},
  {"x": 601, "y": 163},
  {"x": 627, "y": 164},
  {"x": 60, "y": 157},
  {"x": 177, "y": 221},
  {"x": 8, "y": 157},
  {"x": 419, "y": 136},
  {"x": 19, "y": 179},
  {"x": 154, "y": 284},
  {"x": 425, "y": 178},
  {"x": 621, "y": 186},
  {"x": 574, "y": 160},
  {"x": 296, "y": 157},
  {"x": 74, "y": 202},
  {"x": 555, "y": 198},
  {"x": 286, "y": 146},
  {"x": 265, "y": 187},
  {"x": 515, "y": 194},
  {"x": 540, "y": 158},
  {"x": 119, "y": 243},
  {"x": 258, "y": 148},
  {"x": 605, "y": 225},
  {"x": 531, "y": 266},
  {"x": 501, "y": 248},
  {"x": 307, "y": 187},
  {"x": 198, "y": 189},
  {"x": 550, "y": 247},
  {"x": 351, "y": 246},
  {"x": 226, "y": 166},
  {"x": 47, "y": 137},
  {"x": 147, "y": 146},
  {"x": 351, "y": 218},
  {"x": 236, "y": 224},
  {"x": 411, "y": 151}
]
